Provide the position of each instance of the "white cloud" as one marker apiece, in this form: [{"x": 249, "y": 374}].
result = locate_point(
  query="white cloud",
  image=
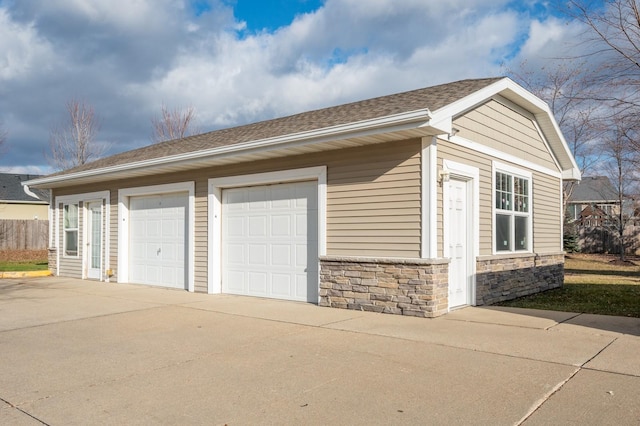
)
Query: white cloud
[
  {"x": 552, "y": 38},
  {"x": 22, "y": 51},
  {"x": 128, "y": 57}
]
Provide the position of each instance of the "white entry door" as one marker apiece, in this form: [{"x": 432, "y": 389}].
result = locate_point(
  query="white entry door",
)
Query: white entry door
[
  {"x": 270, "y": 241},
  {"x": 157, "y": 234},
  {"x": 459, "y": 243},
  {"x": 93, "y": 255}
]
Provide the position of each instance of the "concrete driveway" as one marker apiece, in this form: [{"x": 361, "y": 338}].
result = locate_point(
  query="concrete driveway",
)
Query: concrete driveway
[{"x": 81, "y": 352}]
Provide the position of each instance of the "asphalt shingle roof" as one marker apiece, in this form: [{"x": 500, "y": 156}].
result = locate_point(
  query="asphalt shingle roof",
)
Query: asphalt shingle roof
[
  {"x": 433, "y": 98},
  {"x": 593, "y": 188},
  {"x": 11, "y": 188}
]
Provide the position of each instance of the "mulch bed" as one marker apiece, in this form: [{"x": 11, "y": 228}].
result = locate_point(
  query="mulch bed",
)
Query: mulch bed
[{"x": 23, "y": 255}]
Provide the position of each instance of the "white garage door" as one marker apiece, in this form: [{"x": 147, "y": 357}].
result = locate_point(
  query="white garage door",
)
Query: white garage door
[
  {"x": 157, "y": 235},
  {"x": 270, "y": 241}
]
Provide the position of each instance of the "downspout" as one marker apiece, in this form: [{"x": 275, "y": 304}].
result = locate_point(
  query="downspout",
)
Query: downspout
[{"x": 27, "y": 191}]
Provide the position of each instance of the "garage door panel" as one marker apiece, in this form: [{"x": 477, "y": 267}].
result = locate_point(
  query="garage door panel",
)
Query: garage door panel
[
  {"x": 257, "y": 283},
  {"x": 236, "y": 226},
  {"x": 302, "y": 225},
  {"x": 157, "y": 233},
  {"x": 281, "y": 225},
  {"x": 300, "y": 284},
  {"x": 257, "y": 198},
  {"x": 234, "y": 254},
  {"x": 235, "y": 281},
  {"x": 281, "y": 285},
  {"x": 276, "y": 225},
  {"x": 152, "y": 228},
  {"x": 281, "y": 255},
  {"x": 301, "y": 260},
  {"x": 258, "y": 254},
  {"x": 236, "y": 201},
  {"x": 257, "y": 226}
]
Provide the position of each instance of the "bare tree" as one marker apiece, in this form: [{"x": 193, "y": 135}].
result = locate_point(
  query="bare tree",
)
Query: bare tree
[
  {"x": 74, "y": 142},
  {"x": 621, "y": 170},
  {"x": 613, "y": 37},
  {"x": 564, "y": 86},
  {"x": 174, "y": 124}
]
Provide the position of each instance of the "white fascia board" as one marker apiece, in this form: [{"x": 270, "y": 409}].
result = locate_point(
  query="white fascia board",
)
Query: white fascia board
[
  {"x": 572, "y": 175},
  {"x": 416, "y": 119}
]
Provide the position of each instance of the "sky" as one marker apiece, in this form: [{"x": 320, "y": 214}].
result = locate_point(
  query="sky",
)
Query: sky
[{"x": 242, "y": 61}]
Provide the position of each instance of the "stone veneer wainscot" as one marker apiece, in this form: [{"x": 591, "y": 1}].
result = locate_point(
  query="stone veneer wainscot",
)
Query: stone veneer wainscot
[
  {"x": 416, "y": 287},
  {"x": 52, "y": 257},
  {"x": 506, "y": 277}
]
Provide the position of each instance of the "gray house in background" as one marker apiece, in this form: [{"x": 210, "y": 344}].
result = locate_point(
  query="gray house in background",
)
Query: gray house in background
[
  {"x": 18, "y": 204},
  {"x": 594, "y": 193},
  {"x": 594, "y": 201},
  {"x": 413, "y": 203}
]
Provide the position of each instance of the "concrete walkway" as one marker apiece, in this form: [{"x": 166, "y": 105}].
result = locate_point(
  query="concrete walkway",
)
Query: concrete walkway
[{"x": 79, "y": 352}]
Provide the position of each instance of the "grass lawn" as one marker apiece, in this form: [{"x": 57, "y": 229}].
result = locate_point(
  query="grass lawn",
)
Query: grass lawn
[
  {"x": 23, "y": 266},
  {"x": 23, "y": 260},
  {"x": 593, "y": 284}
]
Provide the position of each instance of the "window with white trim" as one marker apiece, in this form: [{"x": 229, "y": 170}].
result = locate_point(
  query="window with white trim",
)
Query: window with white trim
[
  {"x": 512, "y": 211},
  {"x": 70, "y": 220}
]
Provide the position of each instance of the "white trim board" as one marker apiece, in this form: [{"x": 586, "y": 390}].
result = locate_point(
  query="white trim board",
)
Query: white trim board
[
  {"x": 216, "y": 185},
  {"x": 123, "y": 226},
  {"x": 429, "y": 199},
  {"x": 496, "y": 166},
  {"x": 496, "y": 154}
]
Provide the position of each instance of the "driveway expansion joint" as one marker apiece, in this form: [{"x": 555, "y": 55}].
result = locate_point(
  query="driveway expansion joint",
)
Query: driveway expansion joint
[
  {"x": 535, "y": 407},
  {"x": 15, "y": 407}
]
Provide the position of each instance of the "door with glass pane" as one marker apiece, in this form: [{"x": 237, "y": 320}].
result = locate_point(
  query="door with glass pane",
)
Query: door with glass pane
[{"x": 93, "y": 257}]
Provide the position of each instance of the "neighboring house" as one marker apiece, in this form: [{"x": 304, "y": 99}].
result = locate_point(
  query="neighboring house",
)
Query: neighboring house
[
  {"x": 594, "y": 208},
  {"x": 594, "y": 202},
  {"x": 597, "y": 195},
  {"x": 594, "y": 216},
  {"x": 18, "y": 203},
  {"x": 413, "y": 203}
]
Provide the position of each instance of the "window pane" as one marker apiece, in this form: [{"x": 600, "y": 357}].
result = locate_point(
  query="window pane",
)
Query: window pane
[
  {"x": 96, "y": 237},
  {"x": 521, "y": 232},
  {"x": 521, "y": 194},
  {"x": 503, "y": 191},
  {"x": 503, "y": 232},
  {"x": 71, "y": 243},
  {"x": 71, "y": 216}
]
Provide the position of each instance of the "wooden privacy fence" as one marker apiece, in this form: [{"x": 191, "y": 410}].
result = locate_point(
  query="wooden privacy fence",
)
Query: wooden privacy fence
[
  {"x": 24, "y": 234},
  {"x": 602, "y": 240}
]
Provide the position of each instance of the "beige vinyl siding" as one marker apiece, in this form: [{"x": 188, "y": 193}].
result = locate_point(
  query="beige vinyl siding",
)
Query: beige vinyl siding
[
  {"x": 201, "y": 241},
  {"x": 373, "y": 200},
  {"x": 113, "y": 235},
  {"x": 547, "y": 214},
  {"x": 546, "y": 207},
  {"x": 70, "y": 266},
  {"x": 24, "y": 211},
  {"x": 500, "y": 127}
]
